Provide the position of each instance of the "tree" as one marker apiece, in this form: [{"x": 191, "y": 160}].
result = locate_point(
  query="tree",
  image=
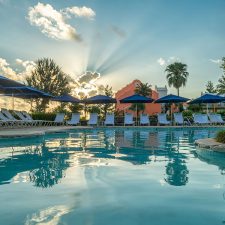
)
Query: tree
[
  {"x": 144, "y": 90},
  {"x": 110, "y": 106},
  {"x": 221, "y": 82},
  {"x": 177, "y": 75},
  {"x": 210, "y": 87},
  {"x": 47, "y": 76}
]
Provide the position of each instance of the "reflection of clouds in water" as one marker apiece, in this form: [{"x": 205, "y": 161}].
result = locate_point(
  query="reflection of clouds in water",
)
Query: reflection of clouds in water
[{"x": 49, "y": 216}]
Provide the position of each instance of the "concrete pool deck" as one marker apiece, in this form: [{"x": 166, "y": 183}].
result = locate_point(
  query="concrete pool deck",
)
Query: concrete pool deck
[
  {"x": 38, "y": 131},
  {"x": 34, "y": 131},
  {"x": 210, "y": 144}
]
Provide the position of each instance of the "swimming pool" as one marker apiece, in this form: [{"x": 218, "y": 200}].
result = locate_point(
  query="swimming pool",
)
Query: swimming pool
[{"x": 112, "y": 176}]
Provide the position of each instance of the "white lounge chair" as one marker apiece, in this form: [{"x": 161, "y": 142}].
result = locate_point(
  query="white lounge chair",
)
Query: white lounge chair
[
  {"x": 216, "y": 118},
  {"x": 8, "y": 114},
  {"x": 201, "y": 119},
  {"x": 128, "y": 119},
  {"x": 93, "y": 119},
  {"x": 162, "y": 119},
  {"x": 4, "y": 121},
  {"x": 23, "y": 118},
  {"x": 179, "y": 119},
  {"x": 11, "y": 118},
  {"x": 59, "y": 119},
  {"x": 109, "y": 119},
  {"x": 29, "y": 118},
  {"x": 144, "y": 119},
  {"x": 75, "y": 119}
]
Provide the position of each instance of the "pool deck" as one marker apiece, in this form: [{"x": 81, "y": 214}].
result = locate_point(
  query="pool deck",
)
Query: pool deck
[
  {"x": 38, "y": 131},
  {"x": 210, "y": 144},
  {"x": 34, "y": 131}
]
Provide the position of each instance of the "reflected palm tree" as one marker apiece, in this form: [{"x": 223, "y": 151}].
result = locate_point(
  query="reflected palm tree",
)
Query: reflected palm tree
[{"x": 176, "y": 168}]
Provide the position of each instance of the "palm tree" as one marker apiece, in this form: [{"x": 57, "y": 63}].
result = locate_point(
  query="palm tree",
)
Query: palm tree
[
  {"x": 177, "y": 75},
  {"x": 144, "y": 89}
]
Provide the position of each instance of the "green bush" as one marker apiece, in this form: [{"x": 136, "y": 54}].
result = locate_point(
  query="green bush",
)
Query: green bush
[
  {"x": 220, "y": 136},
  {"x": 221, "y": 112},
  {"x": 195, "y": 108},
  {"x": 43, "y": 116},
  {"x": 187, "y": 113}
]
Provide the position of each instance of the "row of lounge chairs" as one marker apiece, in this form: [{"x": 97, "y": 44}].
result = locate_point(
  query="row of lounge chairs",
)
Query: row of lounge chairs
[
  {"x": 24, "y": 119},
  {"x": 198, "y": 119}
]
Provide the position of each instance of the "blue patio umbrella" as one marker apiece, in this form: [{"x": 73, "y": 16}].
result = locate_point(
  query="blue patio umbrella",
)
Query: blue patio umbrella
[
  {"x": 66, "y": 98},
  {"x": 99, "y": 99},
  {"x": 136, "y": 99},
  {"x": 208, "y": 98},
  {"x": 6, "y": 82},
  {"x": 171, "y": 99},
  {"x": 24, "y": 92}
]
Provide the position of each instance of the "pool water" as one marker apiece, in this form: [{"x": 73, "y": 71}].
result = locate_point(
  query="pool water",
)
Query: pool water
[{"x": 112, "y": 176}]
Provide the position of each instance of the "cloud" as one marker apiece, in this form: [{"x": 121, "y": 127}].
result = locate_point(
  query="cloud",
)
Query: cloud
[
  {"x": 88, "y": 77},
  {"x": 6, "y": 70},
  {"x": 27, "y": 66},
  {"x": 79, "y": 12},
  {"x": 52, "y": 22},
  {"x": 118, "y": 31},
  {"x": 85, "y": 84},
  {"x": 161, "y": 61},
  {"x": 217, "y": 61}
]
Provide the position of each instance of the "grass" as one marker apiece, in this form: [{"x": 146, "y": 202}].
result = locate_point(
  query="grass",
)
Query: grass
[{"x": 220, "y": 136}]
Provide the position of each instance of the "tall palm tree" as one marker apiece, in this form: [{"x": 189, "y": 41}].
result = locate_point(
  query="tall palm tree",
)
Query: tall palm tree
[{"x": 177, "y": 75}]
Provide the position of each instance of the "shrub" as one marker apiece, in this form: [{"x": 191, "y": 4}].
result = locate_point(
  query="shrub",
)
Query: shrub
[
  {"x": 43, "y": 116},
  {"x": 220, "y": 136},
  {"x": 195, "y": 108},
  {"x": 187, "y": 113}
]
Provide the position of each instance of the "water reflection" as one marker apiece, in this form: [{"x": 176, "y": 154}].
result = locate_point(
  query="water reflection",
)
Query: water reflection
[{"x": 47, "y": 159}]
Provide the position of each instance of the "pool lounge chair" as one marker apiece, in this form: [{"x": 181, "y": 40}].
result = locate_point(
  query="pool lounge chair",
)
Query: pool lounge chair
[
  {"x": 29, "y": 118},
  {"x": 128, "y": 119},
  {"x": 201, "y": 119},
  {"x": 162, "y": 119},
  {"x": 93, "y": 119},
  {"x": 179, "y": 119},
  {"x": 24, "y": 119},
  {"x": 109, "y": 119},
  {"x": 11, "y": 118},
  {"x": 75, "y": 119},
  {"x": 5, "y": 122},
  {"x": 59, "y": 119},
  {"x": 144, "y": 119},
  {"x": 216, "y": 118}
]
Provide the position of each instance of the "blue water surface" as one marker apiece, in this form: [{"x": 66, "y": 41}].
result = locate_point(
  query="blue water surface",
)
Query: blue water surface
[{"x": 112, "y": 176}]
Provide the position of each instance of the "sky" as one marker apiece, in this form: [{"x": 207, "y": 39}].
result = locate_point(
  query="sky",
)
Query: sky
[{"x": 116, "y": 41}]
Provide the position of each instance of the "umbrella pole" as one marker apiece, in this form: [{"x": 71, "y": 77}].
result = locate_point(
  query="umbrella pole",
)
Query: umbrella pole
[
  {"x": 13, "y": 102},
  {"x": 136, "y": 115},
  {"x": 171, "y": 113},
  {"x": 207, "y": 108}
]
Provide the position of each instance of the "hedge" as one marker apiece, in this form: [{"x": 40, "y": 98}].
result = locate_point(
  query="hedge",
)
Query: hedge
[{"x": 44, "y": 116}]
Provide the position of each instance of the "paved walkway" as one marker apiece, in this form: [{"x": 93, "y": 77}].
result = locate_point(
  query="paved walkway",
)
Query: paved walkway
[
  {"x": 37, "y": 131},
  {"x": 34, "y": 131}
]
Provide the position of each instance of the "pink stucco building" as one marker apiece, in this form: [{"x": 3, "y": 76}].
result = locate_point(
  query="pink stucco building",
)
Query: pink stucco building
[{"x": 128, "y": 90}]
